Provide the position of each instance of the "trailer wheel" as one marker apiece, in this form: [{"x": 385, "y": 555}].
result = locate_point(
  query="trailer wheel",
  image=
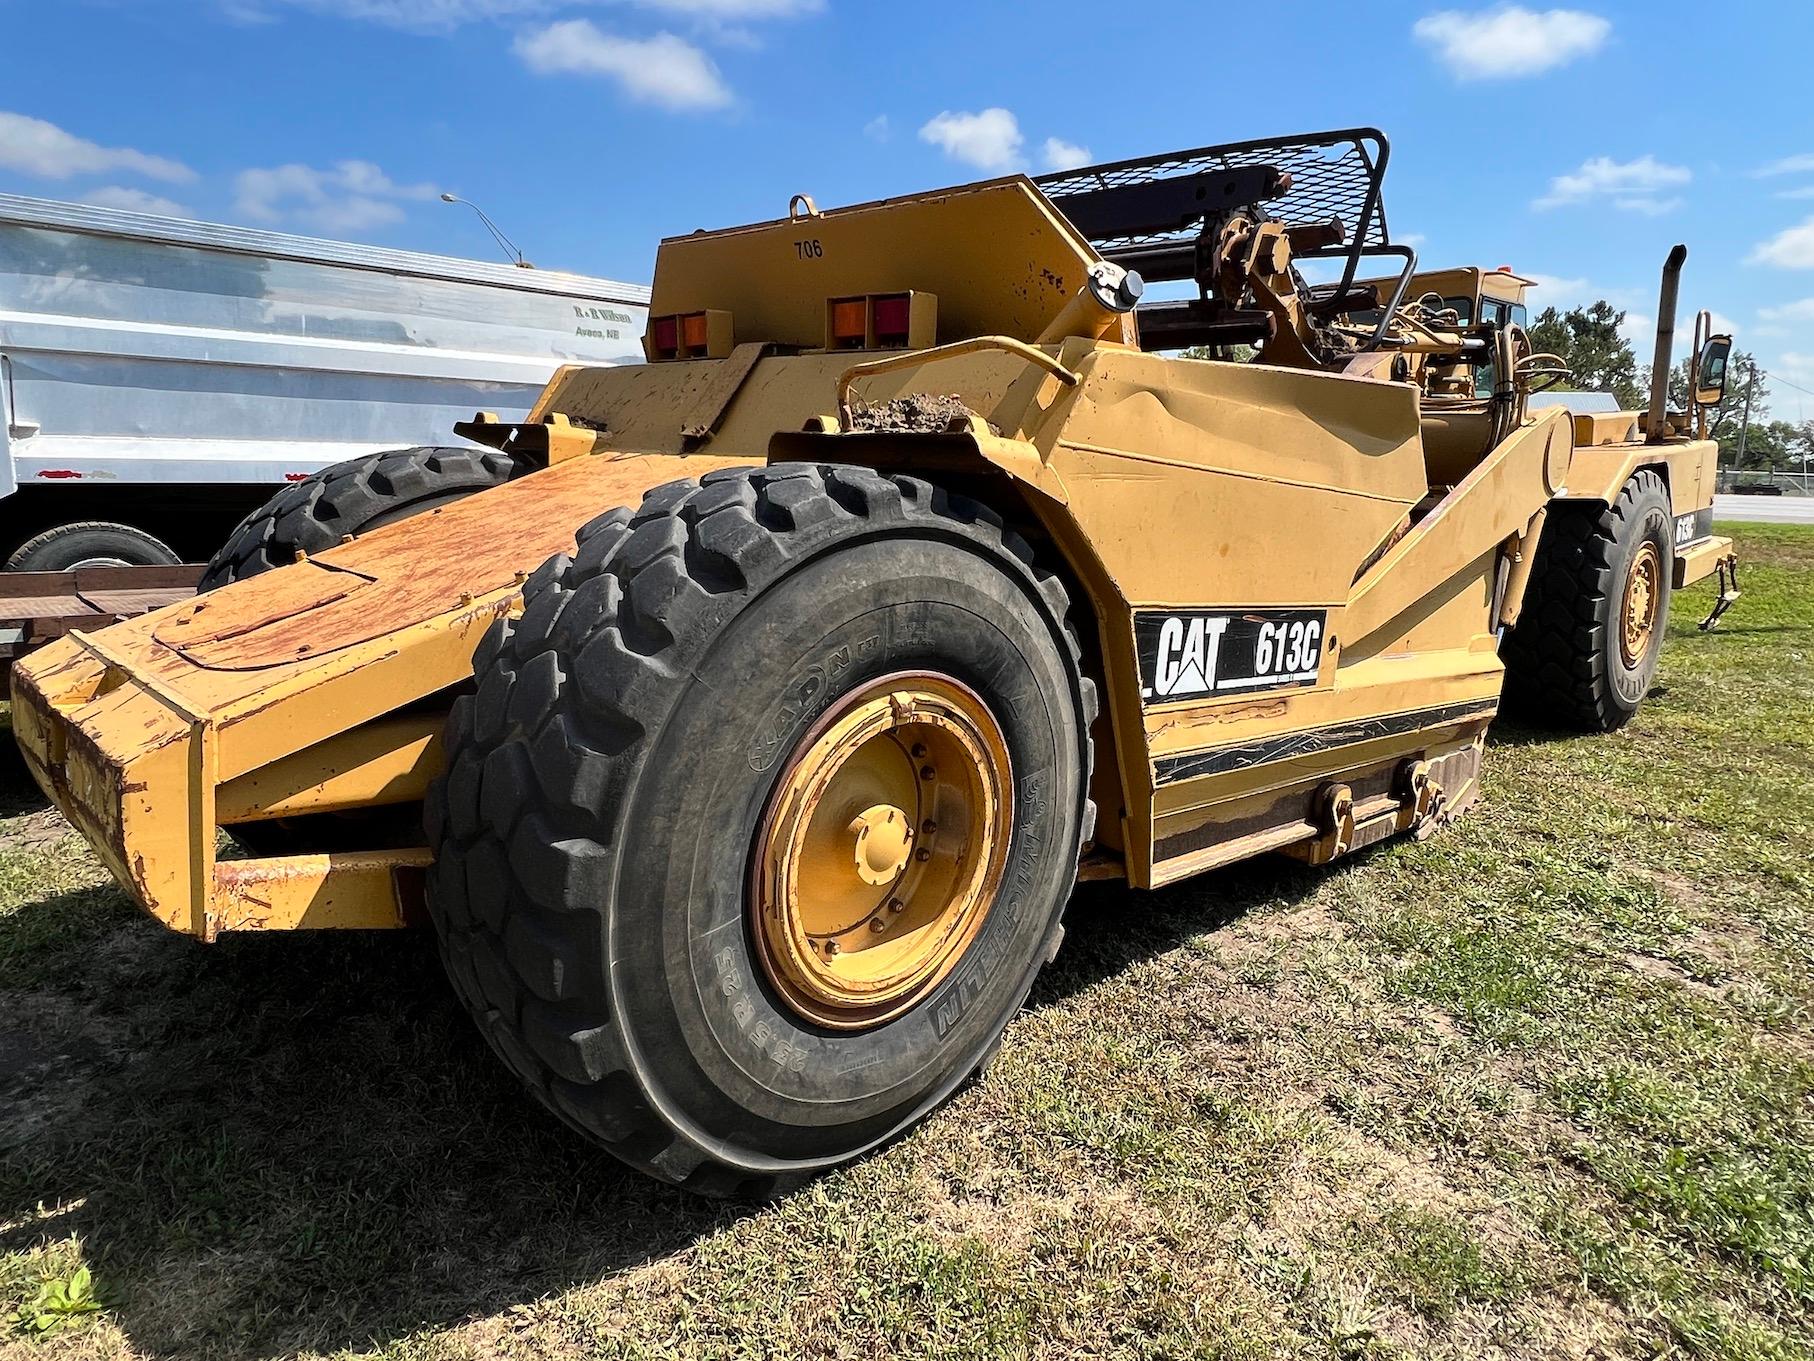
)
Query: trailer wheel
[
  {"x": 1587, "y": 644},
  {"x": 91, "y": 543},
  {"x": 762, "y": 818},
  {"x": 323, "y": 509}
]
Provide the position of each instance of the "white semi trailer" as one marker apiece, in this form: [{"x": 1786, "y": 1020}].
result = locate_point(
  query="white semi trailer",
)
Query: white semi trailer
[{"x": 158, "y": 376}]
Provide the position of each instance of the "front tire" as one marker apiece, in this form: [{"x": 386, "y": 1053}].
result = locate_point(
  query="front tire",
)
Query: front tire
[
  {"x": 346, "y": 500},
  {"x": 311, "y": 516},
  {"x": 630, "y": 752},
  {"x": 1588, "y": 641}
]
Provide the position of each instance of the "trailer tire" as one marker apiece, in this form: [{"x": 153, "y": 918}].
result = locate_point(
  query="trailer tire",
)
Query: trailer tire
[
  {"x": 1586, "y": 647},
  {"x": 91, "y": 543},
  {"x": 347, "y": 499},
  {"x": 613, "y": 777}
]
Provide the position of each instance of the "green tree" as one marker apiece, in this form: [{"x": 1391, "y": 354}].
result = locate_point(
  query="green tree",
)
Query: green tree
[
  {"x": 1236, "y": 354},
  {"x": 1726, "y": 420},
  {"x": 1770, "y": 444},
  {"x": 1588, "y": 340}
]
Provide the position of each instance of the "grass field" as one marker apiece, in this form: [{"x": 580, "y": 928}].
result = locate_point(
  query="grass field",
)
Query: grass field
[{"x": 1542, "y": 1086}]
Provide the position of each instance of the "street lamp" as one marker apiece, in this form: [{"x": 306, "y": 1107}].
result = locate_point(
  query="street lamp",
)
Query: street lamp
[{"x": 508, "y": 246}]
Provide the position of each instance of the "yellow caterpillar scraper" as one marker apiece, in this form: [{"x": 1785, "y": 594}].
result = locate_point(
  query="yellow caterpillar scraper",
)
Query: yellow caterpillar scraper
[{"x": 742, "y": 719}]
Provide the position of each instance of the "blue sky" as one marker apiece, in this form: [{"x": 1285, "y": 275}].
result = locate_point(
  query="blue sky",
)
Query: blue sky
[{"x": 1574, "y": 144}]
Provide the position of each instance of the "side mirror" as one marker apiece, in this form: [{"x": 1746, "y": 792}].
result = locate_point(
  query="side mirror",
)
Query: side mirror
[{"x": 1710, "y": 371}]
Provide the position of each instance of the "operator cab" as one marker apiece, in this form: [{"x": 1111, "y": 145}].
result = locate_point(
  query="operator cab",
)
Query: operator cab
[{"x": 1239, "y": 222}]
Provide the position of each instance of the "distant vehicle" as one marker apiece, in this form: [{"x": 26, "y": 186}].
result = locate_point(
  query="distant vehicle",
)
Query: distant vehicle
[{"x": 158, "y": 376}]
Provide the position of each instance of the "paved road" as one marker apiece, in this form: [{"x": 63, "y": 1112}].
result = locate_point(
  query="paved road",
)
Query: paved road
[{"x": 1775, "y": 510}]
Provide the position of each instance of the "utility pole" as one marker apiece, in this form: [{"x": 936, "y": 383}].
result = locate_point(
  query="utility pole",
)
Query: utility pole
[{"x": 1744, "y": 429}]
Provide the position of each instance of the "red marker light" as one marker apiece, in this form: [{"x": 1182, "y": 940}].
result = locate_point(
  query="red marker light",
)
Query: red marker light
[{"x": 893, "y": 317}]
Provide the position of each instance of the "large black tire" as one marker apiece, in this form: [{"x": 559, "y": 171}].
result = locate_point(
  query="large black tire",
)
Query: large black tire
[
  {"x": 312, "y": 516},
  {"x": 1565, "y": 664},
  {"x": 91, "y": 543},
  {"x": 595, "y": 829},
  {"x": 323, "y": 509}
]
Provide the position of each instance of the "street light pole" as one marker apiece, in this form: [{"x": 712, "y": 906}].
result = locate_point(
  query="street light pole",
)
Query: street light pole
[{"x": 509, "y": 247}]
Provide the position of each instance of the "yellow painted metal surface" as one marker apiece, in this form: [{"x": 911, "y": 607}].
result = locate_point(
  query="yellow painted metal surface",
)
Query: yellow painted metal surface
[
  {"x": 1699, "y": 562},
  {"x": 1160, "y": 484},
  {"x": 1600, "y": 470},
  {"x": 882, "y": 851},
  {"x": 346, "y": 891},
  {"x": 134, "y": 730},
  {"x": 387, "y": 761},
  {"x": 997, "y": 256}
]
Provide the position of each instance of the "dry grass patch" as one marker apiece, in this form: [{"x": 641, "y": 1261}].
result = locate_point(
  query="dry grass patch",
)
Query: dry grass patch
[{"x": 1541, "y": 1087}]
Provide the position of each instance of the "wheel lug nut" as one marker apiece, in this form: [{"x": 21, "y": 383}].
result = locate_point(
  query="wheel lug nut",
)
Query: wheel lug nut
[
  {"x": 831, "y": 948},
  {"x": 928, "y": 827},
  {"x": 922, "y": 855},
  {"x": 927, "y": 773},
  {"x": 877, "y": 925},
  {"x": 919, "y": 751},
  {"x": 896, "y": 905}
]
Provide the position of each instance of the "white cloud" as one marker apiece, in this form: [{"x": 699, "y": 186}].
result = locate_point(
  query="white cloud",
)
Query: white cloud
[
  {"x": 989, "y": 140},
  {"x": 743, "y": 11},
  {"x": 1788, "y": 165},
  {"x": 1511, "y": 41},
  {"x": 878, "y": 129},
  {"x": 1649, "y": 207},
  {"x": 135, "y": 201},
  {"x": 1797, "y": 368},
  {"x": 1062, "y": 155},
  {"x": 35, "y": 147},
  {"x": 441, "y": 15},
  {"x": 1805, "y": 192},
  {"x": 1559, "y": 292},
  {"x": 1788, "y": 312},
  {"x": 1792, "y": 248},
  {"x": 424, "y": 15},
  {"x": 352, "y": 196},
  {"x": 663, "y": 70},
  {"x": 1723, "y": 325},
  {"x": 1632, "y": 186},
  {"x": 1640, "y": 332}
]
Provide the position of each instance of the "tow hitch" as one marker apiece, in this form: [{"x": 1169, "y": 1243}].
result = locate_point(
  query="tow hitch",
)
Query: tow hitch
[{"x": 1729, "y": 592}]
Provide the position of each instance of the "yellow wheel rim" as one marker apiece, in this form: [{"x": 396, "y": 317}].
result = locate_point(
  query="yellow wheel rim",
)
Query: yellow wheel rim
[
  {"x": 1643, "y": 597},
  {"x": 882, "y": 850}
]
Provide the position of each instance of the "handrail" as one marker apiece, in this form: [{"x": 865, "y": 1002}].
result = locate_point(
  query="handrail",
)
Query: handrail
[{"x": 851, "y": 376}]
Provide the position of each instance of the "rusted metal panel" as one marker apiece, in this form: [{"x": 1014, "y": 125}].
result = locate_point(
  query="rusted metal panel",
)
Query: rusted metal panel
[
  {"x": 349, "y": 891},
  {"x": 36, "y": 607}
]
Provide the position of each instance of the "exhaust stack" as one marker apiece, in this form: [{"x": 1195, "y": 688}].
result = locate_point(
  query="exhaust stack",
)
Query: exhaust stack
[{"x": 1657, "y": 420}]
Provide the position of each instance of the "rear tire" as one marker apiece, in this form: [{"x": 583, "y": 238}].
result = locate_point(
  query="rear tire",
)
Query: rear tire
[
  {"x": 91, "y": 543},
  {"x": 348, "y": 499},
  {"x": 1579, "y": 658},
  {"x": 596, "y": 831}
]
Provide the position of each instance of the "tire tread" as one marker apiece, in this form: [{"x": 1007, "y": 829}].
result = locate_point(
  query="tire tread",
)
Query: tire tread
[{"x": 579, "y": 685}]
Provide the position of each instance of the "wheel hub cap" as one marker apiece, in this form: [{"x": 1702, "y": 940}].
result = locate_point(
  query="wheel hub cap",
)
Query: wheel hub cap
[
  {"x": 1643, "y": 593},
  {"x": 882, "y": 850}
]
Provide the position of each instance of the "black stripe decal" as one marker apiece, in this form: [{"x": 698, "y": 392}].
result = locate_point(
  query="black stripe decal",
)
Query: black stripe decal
[{"x": 1284, "y": 747}]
